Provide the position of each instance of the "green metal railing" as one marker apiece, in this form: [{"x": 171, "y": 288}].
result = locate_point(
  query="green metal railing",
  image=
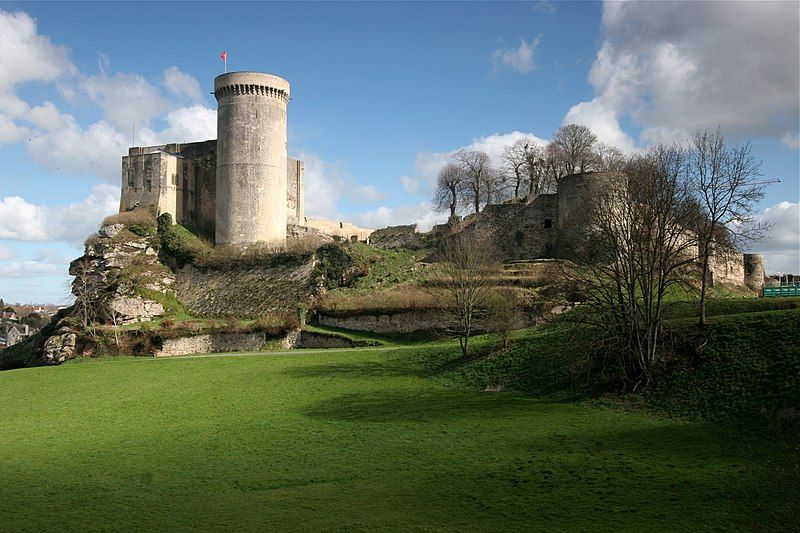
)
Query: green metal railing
[{"x": 783, "y": 290}]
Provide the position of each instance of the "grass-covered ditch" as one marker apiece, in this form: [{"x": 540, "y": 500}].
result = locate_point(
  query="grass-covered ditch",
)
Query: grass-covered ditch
[{"x": 360, "y": 439}]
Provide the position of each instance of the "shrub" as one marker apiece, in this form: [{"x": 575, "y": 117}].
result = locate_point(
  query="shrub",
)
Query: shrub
[{"x": 137, "y": 216}]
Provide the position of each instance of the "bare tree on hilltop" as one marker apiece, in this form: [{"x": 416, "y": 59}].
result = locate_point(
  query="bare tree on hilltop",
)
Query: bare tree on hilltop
[
  {"x": 728, "y": 187},
  {"x": 449, "y": 184},
  {"x": 476, "y": 168},
  {"x": 523, "y": 162},
  {"x": 515, "y": 164},
  {"x": 575, "y": 144}
]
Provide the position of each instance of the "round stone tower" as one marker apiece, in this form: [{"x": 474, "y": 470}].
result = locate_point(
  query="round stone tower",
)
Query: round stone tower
[
  {"x": 754, "y": 271},
  {"x": 251, "y": 158}
]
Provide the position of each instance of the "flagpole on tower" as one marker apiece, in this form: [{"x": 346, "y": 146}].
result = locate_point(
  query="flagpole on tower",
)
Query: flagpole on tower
[{"x": 224, "y": 56}]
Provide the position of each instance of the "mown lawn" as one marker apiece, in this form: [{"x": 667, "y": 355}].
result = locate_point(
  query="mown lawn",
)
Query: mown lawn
[{"x": 357, "y": 440}]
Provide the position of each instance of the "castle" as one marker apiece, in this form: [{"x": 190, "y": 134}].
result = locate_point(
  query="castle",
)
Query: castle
[{"x": 239, "y": 189}]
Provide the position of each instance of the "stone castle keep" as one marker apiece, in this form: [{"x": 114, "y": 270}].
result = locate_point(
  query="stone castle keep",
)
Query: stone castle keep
[{"x": 239, "y": 189}]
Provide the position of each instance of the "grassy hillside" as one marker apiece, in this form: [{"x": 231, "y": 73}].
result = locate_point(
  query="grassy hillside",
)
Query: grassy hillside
[{"x": 359, "y": 440}]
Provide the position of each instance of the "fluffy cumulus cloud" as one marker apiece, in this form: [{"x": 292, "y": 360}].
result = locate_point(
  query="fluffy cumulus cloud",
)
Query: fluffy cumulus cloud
[
  {"x": 21, "y": 220},
  {"x": 781, "y": 248},
  {"x": 518, "y": 59},
  {"x": 674, "y": 67},
  {"x": 182, "y": 85},
  {"x": 27, "y": 55},
  {"x": 126, "y": 99}
]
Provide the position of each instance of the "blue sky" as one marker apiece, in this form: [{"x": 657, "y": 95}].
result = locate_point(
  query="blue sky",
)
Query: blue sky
[{"x": 382, "y": 93}]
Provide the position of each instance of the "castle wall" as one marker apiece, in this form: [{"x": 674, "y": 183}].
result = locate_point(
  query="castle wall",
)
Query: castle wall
[
  {"x": 150, "y": 181},
  {"x": 342, "y": 229},
  {"x": 517, "y": 230}
]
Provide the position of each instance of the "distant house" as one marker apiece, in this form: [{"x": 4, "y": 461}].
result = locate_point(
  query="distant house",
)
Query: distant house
[
  {"x": 16, "y": 333},
  {"x": 9, "y": 314}
]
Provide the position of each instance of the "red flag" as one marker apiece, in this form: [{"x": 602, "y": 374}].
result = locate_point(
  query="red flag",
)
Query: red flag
[{"x": 224, "y": 56}]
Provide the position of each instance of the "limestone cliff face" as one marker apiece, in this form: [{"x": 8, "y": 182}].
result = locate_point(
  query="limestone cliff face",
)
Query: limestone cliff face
[{"x": 116, "y": 272}]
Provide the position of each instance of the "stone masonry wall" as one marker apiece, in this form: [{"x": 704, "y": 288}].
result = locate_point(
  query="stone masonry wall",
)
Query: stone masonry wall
[
  {"x": 246, "y": 291},
  {"x": 212, "y": 343},
  {"x": 383, "y": 323},
  {"x": 517, "y": 230}
]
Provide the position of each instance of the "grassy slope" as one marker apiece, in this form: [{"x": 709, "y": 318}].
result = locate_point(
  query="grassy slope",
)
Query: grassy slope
[{"x": 356, "y": 440}]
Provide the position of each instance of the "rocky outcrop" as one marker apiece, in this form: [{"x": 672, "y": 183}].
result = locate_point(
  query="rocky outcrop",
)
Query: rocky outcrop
[
  {"x": 60, "y": 347},
  {"x": 117, "y": 267}
]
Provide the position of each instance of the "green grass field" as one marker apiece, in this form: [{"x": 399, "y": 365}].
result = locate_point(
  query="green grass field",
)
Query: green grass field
[{"x": 360, "y": 440}]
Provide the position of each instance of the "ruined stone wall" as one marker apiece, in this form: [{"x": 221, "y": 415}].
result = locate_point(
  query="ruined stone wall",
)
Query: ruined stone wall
[
  {"x": 517, "y": 230},
  {"x": 247, "y": 291},
  {"x": 342, "y": 229},
  {"x": 213, "y": 343},
  {"x": 727, "y": 267},
  {"x": 409, "y": 322}
]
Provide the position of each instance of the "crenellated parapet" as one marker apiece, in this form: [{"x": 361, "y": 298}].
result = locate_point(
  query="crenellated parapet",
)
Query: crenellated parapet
[{"x": 251, "y": 89}]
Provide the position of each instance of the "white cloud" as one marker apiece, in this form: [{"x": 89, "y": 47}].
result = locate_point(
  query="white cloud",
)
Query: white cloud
[
  {"x": 520, "y": 59},
  {"x": 126, "y": 99},
  {"x": 420, "y": 214},
  {"x": 186, "y": 124},
  {"x": 674, "y": 67},
  {"x": 24, "y": 221},
  {"x": 544, "y": 6},
  {"x": 781, "y": 248},
  {"x": 368, "y": 194},
  {"x": 20, "y": 220},
  {"x": 410, "y": 185},
  {"x": 11, "y": 132},
  {"x": 603, "y": 121},
  {"x": 792, "y": 142},
  {"x": 322, "y": 186},
  {"x": 182, "y": 85},
  {"x": 26, "y": 55},
  {"x": 6, "y": 253},
  {"x": 94, "y": 151},
  {"x": 28, "y": 269},
  {"x": 46, "y": 117}
]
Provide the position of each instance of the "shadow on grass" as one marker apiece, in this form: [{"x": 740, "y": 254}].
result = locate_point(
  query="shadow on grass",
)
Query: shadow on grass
[
  {"x": 366, "y": 370},
  {"x": 415, "y": 405}
]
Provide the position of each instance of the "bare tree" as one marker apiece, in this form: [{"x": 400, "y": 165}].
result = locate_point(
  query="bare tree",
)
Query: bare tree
[
  {"x": 467, "y": 271},
  {"x": 554, "y": 163},
  {"x": 475, "y": 166},
  {"x": 86, "y": 291},
  {"x": 494, "y": 186},
  {"x": 515, "y": 164},
  {"x": 638, "y": 247},
  {"x": 576, "y": 145},
  {"x": 608, "y": 157},
  {"x": 448, "y": 188},
  {"x": 504, "y": 313},
  {"x": 728, "y": 187}
]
